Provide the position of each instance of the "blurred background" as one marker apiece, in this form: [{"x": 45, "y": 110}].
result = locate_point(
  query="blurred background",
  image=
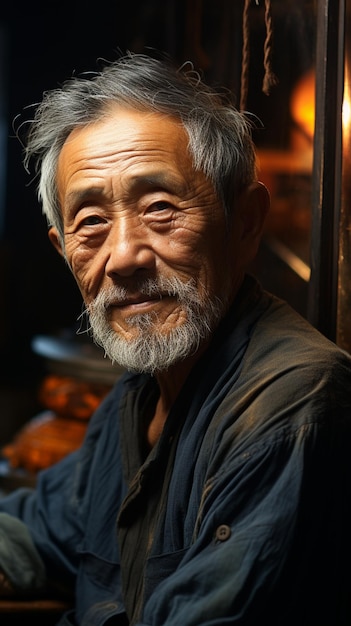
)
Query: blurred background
[{"x": 42, "y": 44}]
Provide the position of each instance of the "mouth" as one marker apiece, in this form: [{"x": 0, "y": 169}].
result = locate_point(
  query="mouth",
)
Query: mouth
[{"x": 136, "y": 304}]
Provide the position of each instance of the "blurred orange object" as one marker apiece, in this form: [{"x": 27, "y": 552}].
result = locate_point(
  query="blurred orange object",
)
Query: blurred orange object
[
  {"x": 72, "y": 398},
  {"x": 78, "y": 378},
  {"x": 43, "y": 441}
]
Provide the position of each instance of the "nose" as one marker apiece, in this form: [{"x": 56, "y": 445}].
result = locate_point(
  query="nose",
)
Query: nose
[{"x": 129, "y": 249}]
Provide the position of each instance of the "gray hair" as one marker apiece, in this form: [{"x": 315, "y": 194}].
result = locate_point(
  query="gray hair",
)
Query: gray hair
[{"x": 220, "y": 140}]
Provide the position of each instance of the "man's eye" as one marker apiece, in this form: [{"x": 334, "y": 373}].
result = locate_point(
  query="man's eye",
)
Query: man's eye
[
  {"x": 91, "y": 220},
  {"x": 160, "y": 206}
]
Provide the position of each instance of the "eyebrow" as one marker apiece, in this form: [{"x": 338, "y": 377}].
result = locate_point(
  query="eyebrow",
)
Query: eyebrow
[
  {"x": 154, "y": 180},
  {"x": 158, "y": 180},
  {"x": 80, "y": 195}
]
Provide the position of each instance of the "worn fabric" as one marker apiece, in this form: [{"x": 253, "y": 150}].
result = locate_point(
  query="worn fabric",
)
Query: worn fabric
[{"x": 240, "y": 513}]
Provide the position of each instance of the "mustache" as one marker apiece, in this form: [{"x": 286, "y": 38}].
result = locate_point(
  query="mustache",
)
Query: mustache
[{"x": 149, "y": 287}]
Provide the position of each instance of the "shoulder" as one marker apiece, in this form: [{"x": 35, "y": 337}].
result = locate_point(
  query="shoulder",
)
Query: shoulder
[
  {"x": 292, "y": 380},
  {"x": 284, "y": 341}
]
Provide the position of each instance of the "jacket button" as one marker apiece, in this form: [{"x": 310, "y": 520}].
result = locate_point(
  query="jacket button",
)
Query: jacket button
[{"x": 223, "y": 532}]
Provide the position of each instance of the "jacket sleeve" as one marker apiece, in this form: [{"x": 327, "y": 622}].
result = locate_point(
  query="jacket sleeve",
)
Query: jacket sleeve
[
  {"x": 56, "y": 511},
  {"x": 49, "y": 515}
]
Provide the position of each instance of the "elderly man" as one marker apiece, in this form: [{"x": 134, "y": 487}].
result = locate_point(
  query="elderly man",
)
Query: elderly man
[{"x": 214, "y": 482}]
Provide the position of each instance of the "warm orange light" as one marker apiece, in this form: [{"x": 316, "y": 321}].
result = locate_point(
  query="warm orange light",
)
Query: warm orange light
[
  {"x": 302, "y": 103},
  {"x": 346, "y": 110}
]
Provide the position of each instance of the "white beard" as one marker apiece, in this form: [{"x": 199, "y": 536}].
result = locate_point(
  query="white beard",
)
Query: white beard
[{"x": 151, "y": 350}]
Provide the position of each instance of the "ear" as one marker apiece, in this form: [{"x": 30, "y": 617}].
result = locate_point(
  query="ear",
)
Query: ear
[
  {"x": 55, "y": 240},
  {"x": 254, "y": 204}
]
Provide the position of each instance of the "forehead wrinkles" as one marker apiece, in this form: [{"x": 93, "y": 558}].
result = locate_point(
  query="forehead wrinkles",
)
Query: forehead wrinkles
[
  {"x": 123, "y": 129},
  {"x": 104, "y": 145},
  {"x": 153, "y": 169}
]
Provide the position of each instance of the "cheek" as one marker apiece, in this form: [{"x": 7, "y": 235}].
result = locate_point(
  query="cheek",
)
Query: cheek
[
  {"x": 182, "y": 249},
  {"x": 203, "y": 250},
  {"x": 87, "y": 269}
]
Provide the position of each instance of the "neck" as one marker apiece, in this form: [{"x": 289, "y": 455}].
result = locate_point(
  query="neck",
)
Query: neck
[{"x": 170, "y": 384}]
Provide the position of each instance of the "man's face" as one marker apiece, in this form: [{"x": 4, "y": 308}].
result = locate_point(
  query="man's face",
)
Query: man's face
[{"x": 139, "y": 219}]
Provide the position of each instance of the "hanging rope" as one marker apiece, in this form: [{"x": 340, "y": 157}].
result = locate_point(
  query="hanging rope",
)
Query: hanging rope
[
  {"x": 269, "y": 79},
  {"x": 245, "y": 62}
]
